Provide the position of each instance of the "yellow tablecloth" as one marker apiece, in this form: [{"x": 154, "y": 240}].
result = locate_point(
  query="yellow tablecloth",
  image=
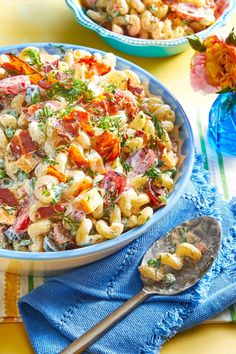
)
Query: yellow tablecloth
[{"x": 24, "y": 21}]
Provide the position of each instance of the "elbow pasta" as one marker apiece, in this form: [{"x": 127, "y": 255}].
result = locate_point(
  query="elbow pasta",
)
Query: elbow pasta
[
  {"x": 154, "y": 19},
  {"x": 82, "y": 163}
]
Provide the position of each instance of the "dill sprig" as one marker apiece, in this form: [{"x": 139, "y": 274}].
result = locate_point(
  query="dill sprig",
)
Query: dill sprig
[
  {"x": 153, "y": 171},
  {"x": 127, "y": 167},
  {"x": 71, "y": 91},
  {"x": 158, "y": 126},
  {"x": 34, "y": 58},
  {"x": 48, "y": 160},
  {"x": 113, "y": 124}
]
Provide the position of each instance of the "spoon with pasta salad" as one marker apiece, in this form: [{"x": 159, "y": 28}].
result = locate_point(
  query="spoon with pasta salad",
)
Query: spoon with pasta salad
[{"x": 172, "y": 264}]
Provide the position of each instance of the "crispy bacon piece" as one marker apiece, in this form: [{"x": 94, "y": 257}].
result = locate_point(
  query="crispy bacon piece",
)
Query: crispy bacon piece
[
  {"x": 54, "y": 172},
  {"x": 69, "y": 126},
  {"x": 136, "y": 90},
  {"x": 107, "y": 145},
  {"x": 127, "y": 102},
  {"x": 142, "y": 134},
  {"x": 77, "y": 155},
  {"x": 140, "y": 161},
  {"x": 113, "y": 184},
  {"x": 20, "y": 67},
  {"x": 81, "y": 117},
  {"x": 50, "y": 211},
  {"x": 8, "y": 197},
  {"x": 49, "y": 66},
  {"x": 22, "y": 144},
  {"x": 155, "y": 193},
  {"x": 61, "y": 236}
]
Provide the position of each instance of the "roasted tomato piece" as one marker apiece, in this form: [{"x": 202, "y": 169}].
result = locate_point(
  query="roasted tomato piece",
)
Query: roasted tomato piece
[
  {"x": 157, "y": 195},
  {"x": 54, "y": 172},
  {"x": 107, "y": 145},
  {"x": 50, "y": 211},
  {"x": 14, "y": 85},
  {"x": 22, "y": 144},
  {"x": 19, "y": 66},
  {"x": 95, "y": 67},
  {"x": 8, "y": 197},
  {"x": 141, "y": 161},
  {"x": 68, "y": 129},
  {"x": 77, "y": 155},
  {"x": 113, "y": 184}
]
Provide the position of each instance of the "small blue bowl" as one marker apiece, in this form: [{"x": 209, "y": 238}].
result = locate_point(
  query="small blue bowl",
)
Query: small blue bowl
[
  {"x": 144, "y": 47},
  {"x": 51, "y": 262}
]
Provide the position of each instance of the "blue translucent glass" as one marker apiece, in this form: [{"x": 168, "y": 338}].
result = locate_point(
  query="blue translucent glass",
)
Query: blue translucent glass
[{"x": 222, "y": 123}]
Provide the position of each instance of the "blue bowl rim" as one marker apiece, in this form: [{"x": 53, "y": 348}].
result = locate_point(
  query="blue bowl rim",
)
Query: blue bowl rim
[
  {"x": 107, "y": 245},
  {"x": 103, "y": 32}
]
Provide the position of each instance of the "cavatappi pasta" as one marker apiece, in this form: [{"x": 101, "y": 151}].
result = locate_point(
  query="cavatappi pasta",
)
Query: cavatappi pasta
[
  {"x": 185, "y": 247},
  {"x": 154, "y": 19},
  {"x": 85, "y": 152}
]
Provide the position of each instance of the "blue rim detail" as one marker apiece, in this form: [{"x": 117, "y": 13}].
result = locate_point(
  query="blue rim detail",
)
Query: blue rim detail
[
  {"x": 133, "y": 233},
  {"x": 103, "y": 32}
]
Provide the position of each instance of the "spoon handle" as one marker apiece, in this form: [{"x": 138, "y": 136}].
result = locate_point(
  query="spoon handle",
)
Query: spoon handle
[{"x": 80, "y": 344}]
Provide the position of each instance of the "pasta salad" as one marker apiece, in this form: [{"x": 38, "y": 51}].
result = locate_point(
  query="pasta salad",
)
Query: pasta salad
[
  {"x": 155, "y": 19},
  {"x": 85, "y": 151}
]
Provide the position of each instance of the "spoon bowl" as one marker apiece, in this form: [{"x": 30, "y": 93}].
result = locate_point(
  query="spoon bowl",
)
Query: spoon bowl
[
  {"x": 208, "y": 230},
  {"x": 205, "y": 230}
]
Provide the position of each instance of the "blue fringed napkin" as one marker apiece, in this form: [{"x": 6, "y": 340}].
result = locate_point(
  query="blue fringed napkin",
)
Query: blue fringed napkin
[{"x": 66, "y": 306}]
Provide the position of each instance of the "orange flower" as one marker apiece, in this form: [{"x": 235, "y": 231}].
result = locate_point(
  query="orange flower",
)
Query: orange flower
[{"x": 220, "y": 63}]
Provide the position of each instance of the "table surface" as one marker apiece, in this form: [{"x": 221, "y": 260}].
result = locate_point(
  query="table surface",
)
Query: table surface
[{"x": 24, "y": 21}]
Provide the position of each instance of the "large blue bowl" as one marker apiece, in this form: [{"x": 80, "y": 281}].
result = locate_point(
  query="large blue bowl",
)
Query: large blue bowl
[
  {"x": 51, "y": 262},
  {"x": 144, "y": 47}
]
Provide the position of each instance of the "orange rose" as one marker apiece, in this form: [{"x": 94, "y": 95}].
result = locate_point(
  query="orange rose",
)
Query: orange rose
[{"x": 220, "y": 64}]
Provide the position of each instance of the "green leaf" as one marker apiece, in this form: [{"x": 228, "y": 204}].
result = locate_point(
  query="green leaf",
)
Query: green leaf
[
  {"x": 127, "y": 167},
  {"x": 231, "y": 39},
  {"x": 227, "y": 89},
  {"x": 196, "y": 43}
]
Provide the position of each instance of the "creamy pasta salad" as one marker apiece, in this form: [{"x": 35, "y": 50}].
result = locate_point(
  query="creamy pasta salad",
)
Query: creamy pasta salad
[
  {"x": 85, "y": 151},
  {"x": 155, "y": 19}
]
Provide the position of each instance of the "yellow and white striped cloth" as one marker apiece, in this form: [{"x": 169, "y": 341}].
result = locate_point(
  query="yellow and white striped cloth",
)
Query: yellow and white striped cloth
[{"x": 223, "y": 174}]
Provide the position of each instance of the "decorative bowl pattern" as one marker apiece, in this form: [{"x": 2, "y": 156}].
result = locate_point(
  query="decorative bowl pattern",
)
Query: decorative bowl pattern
[
  {"x": 144, "y": 47},
  {"x": 51, "y": 262}
]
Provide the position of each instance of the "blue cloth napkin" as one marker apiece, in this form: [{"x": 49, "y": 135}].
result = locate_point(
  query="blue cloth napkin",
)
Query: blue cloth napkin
[{"x": 66, "y": 306}]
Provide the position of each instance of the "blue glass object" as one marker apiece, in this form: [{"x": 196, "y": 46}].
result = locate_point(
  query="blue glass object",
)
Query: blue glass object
[{"x": 222, "y": 123}]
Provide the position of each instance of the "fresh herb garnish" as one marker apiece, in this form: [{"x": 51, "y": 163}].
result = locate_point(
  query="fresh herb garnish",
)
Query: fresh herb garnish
[
  {"x": 2, "y": 164},
  {"x": 153, "y": 171},
  {"x": 36, "y": 98},
  {"x": 111, "y": 88},
  {"x": 73, "y": 225},
  {"x": 32, "y": 182},
  {"x": 45, "y": 112},
  {"x": 9, "y": 210},
  {"x": 127, "y": 167},
  {"x": 2, "y": 174},
  {"x": 110, "y": 123},
  {"x": 153, "y": 262},
  {"x": 158, "y": 126},
  {"x": 49, "y": 161},
  {"x": 62, "y": 148},
  {"x": 71, "y": 93},
  {"x": 46, "y": 192},
  {"x": 34, "y": 58}
]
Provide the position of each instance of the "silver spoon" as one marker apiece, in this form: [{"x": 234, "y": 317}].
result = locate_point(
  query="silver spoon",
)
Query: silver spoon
[{"x": 206, "y": 229}]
